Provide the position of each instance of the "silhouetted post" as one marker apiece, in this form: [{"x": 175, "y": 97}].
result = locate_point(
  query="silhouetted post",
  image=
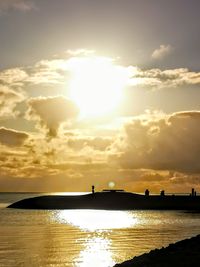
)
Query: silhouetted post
[
  {"x": 193, "y": 192},
  {"x": 93, "y": 189},
  {"x": 162, "y": 193},
  {"x": 147, "y": 192}
]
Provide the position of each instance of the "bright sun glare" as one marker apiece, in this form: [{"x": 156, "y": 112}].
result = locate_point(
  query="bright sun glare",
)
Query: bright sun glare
[
  {"x": 92, "y": 220},
  {"x": 96, "y": 85}
]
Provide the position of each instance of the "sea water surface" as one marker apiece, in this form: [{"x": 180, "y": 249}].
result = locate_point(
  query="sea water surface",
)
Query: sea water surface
[{"x": 85, "y": 237}]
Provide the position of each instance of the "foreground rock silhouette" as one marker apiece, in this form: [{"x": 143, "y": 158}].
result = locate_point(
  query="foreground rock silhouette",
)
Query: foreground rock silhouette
[{"x": 185, "y": 253}]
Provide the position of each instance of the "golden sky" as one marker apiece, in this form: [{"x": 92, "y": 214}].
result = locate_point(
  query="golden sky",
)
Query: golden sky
[{"x": 89, "y": 113}]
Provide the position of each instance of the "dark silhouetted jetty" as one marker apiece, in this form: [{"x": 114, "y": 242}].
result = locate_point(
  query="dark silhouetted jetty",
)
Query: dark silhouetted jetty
[{"x": 112, "y": 200}]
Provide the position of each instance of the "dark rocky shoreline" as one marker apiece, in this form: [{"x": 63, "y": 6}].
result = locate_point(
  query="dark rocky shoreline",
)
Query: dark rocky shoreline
[{"x": 185, "y": 253}]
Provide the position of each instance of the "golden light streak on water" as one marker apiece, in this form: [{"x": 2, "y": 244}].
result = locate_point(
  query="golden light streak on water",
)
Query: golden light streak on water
[
  {"x": 100, "y": 224},
  {"x": 97, "y": 252}
]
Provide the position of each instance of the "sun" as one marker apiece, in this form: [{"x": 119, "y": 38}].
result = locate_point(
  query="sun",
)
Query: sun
[{"x": 96, "y": 85}]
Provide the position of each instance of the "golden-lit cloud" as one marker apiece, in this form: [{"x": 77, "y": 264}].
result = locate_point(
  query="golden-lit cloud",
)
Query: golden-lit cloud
[
  {"x": 9, "y": 98},
  {"x": 11, "y": 91},
  {"x": 163, "y": 79},
  {"x": 78, "y": 72},
  {"x": 80, "y": 52},
  {"x": 137, "y": 158},
  {"x": 13, "y": 76},
  {"x": 49, "y": 72},
  {"x": 97, "y": 143},
  {"x": 51, "y": 112},
  {"x": 60, "y": 71}
]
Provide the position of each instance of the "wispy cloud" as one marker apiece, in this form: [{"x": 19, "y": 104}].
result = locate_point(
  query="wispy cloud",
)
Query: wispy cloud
[
  {"x": 21, "y": 5},
  {"x": 13, "y": 76},
  {"x": 9, "y": 98},
  {"x": 162, "y": 52},
  {"x": 80, "y": 51},
  {"x": 159, "y": 79}
]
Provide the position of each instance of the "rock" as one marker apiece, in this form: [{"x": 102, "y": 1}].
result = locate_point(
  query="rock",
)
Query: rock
[{"x": 184, "y": 253}]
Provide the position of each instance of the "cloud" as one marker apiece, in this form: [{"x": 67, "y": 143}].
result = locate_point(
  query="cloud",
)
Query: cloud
[
  {"x": 13, "y": 76},
  {"x": 12, "y": 137},
  {"x": 97, "y": 143},
  {"x": 84, "y": 163},
  {"x": 162, "y": 52},
  {"x": 156, "y": 150},
  {"x": 51, "y": 112},
  {"x": 9, "y": 98},
  {"x": 21, "y": 5},
  {"x": 48, "y": 72},
  {"x": 169, "y": 142},
  {"x": 58, "y": 72},
  {"x": 160, "y": 79},
  {"x": 80, "y": 51},
  {"x": 11, "y": 93}
]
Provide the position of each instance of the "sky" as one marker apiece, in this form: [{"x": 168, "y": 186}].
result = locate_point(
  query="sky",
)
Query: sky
[{"x": 102, "y": 93}]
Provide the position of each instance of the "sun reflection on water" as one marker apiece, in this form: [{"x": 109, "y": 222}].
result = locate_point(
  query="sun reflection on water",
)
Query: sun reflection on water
[
  {"x": 92, "y": 220},
  {"x": 96, "y": 253},
  {"x": 97, "y": 225}
]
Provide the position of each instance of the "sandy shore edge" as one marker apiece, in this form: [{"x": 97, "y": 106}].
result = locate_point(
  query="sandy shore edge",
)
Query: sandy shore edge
[{"x": 185, "y": 253}]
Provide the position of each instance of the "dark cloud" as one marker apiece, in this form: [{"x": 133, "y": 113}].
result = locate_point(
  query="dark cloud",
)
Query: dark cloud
[
  {"x": 51, "y": 112},
  {"x": 11, "y": 137},
  {"x": 168, "y": 143}
]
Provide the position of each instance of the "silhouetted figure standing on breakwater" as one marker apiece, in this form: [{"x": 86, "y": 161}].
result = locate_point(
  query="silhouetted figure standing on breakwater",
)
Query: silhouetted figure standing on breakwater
[
  {"x": 162, "y": 193},
  {"x": 93, "y": 189}
]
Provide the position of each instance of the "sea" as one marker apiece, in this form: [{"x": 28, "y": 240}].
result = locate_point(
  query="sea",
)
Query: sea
[{"x": 85, "y": 238}]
